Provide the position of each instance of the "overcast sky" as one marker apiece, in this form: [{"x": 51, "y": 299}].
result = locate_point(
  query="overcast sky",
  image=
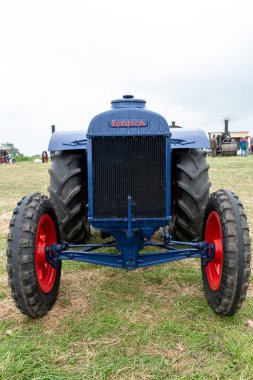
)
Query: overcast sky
[{"x": 62, "y": 62}]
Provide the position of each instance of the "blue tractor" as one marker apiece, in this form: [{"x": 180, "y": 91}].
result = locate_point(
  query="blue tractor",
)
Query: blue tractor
[{"x": 130, "y": 176}]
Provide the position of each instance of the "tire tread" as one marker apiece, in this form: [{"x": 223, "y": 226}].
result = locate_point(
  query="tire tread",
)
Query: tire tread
[
  {"x": 190, "y": 193},
  {"x": 229, "y": 298},
  {"x": 20, "y": 258},
  {"x": 67, "y": 182}
]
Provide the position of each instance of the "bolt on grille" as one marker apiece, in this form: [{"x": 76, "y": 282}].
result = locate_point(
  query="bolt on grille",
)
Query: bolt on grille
[{"x": 125, "y": 166}]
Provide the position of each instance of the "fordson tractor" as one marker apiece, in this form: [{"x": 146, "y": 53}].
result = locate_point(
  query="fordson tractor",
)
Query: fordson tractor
[{"x": 129, "y": 176}]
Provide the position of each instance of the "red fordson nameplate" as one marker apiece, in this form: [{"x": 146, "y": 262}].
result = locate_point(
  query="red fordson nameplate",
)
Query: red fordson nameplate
[{"x": 128, "y": 123}]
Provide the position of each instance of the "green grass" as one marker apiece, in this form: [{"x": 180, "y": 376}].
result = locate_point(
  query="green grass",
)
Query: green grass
[{"x": 110, "y": 324}]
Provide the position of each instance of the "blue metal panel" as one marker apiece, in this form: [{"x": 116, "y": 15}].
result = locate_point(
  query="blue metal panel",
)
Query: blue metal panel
[
  {"x": 70, "y": 140},
  {"x": 187, "y": 138},
  {"x": 101, "y": 125},
  {"x": 142, "y": 223},
  {"x": 148, "y": 226}
]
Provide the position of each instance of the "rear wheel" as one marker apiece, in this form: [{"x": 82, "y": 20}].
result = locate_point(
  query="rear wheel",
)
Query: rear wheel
[
  {"x": 33, "y": 281},
  {"x": 190, "y": 192},
  {"x": 226, "y": 276},
  {"x": 68, "y": 193}
]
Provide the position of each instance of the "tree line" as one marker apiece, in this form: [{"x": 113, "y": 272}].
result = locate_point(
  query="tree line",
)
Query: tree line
[{"x": 14, "y": 152}]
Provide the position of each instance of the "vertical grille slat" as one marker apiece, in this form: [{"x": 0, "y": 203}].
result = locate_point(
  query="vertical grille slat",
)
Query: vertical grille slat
[{"x": 125, "y": 166}]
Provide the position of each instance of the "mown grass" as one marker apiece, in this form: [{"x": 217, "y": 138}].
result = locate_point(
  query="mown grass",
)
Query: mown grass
[{"x": 110, "y": 324}]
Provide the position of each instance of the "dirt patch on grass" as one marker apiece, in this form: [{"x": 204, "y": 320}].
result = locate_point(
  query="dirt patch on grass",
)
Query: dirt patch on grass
[
  {"x": 8, "y": 311},
  {"x": 250, "y": 290},
  {"x": 172, "y": 290},
  {"x": 75, "y": 296},
  {"x": 167, "y": 295},
  {"x": 127, "y": 373},
  {"x": 174, "y": 354},
  {"x": 81, "y": 353},
  {"x": 165, "y": 292},
  {"x": 81, "y": 284},
  {"x": 142, "y": 314},
  {"x": 4, "y": 223}
]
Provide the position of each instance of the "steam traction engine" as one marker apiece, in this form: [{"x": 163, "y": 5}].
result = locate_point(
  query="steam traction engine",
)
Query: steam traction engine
[
  {"x": 128, "y": 177},
  {"x": 226, "y": 145}
]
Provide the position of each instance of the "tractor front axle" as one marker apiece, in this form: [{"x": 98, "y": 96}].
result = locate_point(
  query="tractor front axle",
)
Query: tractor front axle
[{"x": 129, "y": 257}]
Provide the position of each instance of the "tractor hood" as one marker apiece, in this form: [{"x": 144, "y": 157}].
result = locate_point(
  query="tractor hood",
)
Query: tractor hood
[{"x": 128, "y": 116}]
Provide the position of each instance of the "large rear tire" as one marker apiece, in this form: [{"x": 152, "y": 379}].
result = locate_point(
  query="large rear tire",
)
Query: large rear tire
[
  {"x": 68, "y": 193},
  {"x": 226, "y": 276},
  {"x": 33, "y": 281},
  {"x": 190, "y": 192}
]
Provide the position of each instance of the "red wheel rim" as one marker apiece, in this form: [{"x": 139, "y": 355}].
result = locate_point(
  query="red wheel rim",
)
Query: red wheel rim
[
  {"x": 45, "y": 236},
  {"x": 213, "y": 235}
]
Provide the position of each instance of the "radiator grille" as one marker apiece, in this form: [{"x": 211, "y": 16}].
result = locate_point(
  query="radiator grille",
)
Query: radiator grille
[{"x": 125, "y": 166}]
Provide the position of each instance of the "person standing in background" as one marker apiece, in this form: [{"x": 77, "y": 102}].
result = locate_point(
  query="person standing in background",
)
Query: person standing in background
[
  {"x": 214, "y": 146},
  {"x": 243, "y": 146}
]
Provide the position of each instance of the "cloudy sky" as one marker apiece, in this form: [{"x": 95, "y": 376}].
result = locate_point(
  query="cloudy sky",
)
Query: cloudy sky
[{"x": 62, "y": 62}]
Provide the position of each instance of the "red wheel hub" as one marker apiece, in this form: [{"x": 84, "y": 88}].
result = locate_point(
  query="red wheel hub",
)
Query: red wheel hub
[
  {"x": 213, "y": 235},
  {"x": 45, "y": 236}
]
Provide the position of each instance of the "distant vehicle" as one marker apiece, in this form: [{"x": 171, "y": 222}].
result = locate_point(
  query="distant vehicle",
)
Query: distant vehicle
[
  {"x": 226, "y": 145},
  {"x": 4, "y": 156}
]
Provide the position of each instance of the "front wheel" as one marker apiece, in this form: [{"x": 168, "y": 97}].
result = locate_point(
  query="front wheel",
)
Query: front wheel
[
  {"x": 226, "y": 276},
  {"x": 33, "y": 281}
]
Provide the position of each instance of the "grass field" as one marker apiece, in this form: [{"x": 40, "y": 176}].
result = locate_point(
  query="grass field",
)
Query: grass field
[{"x": 110, "y": 324}]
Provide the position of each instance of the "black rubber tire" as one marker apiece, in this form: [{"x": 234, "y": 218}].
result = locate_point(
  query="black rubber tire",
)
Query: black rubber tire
[
  {"x": 229, "y": 297},
  {"x": 190, "y": 192},
  {"x": 23, "y": 281},
  {"x": 68, "y": 193}
]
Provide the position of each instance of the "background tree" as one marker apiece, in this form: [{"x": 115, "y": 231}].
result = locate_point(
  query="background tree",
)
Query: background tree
[{"x": 12, "y": 149}]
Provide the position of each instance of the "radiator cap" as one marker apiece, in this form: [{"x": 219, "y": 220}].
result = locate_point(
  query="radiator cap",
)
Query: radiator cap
[{"x": 128, "y": 101}]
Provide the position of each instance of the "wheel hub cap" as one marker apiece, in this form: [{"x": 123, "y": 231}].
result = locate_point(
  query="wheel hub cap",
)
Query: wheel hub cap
[
  {"x": 45, "y": 236},
  {"x": 213, "y": 235}
]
